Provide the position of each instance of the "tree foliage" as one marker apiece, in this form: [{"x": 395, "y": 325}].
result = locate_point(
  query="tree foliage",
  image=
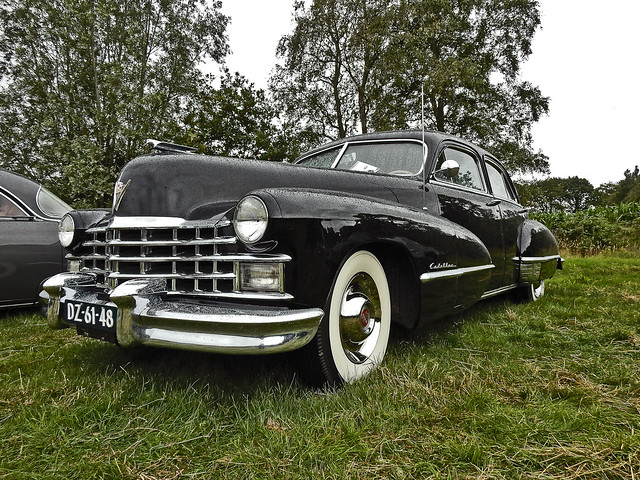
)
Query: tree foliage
[
  {"x": 236, "y": 120},
  {"x": 333, "y": 64},
  {"x": 358, "y": 65},
  {"x": 85, "y": 81},
  {"x": 626, "y": 190},
  {"x": 572, "y": 194}
]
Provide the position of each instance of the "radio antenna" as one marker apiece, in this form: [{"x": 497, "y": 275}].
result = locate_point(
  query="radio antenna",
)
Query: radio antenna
[{"x": 424, "y": 150}]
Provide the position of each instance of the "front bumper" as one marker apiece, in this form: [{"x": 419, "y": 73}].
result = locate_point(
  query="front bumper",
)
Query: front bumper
[{"x": 146, "y": 316}]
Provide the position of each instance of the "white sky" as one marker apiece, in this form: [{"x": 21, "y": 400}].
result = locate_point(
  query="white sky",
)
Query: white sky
[{"x": 586, "y": 58}]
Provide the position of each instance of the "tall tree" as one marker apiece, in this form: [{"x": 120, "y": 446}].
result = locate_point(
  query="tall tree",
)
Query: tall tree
[
  {"x": 332, "y": 64},
  {"x": 356, "y": 65},
  {"x": 85, "y": 81}
]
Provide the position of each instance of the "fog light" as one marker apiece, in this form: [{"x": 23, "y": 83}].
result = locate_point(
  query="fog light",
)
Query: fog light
[
  {"x": 260, "y": 277},
  {"x": 74, "y": 265}
]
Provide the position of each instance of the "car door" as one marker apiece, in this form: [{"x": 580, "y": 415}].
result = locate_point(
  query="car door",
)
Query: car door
[
  {"x": 29, "y": 252},
  {"x": 512, "y": 213},
  {"x": 466, "y": 200}
]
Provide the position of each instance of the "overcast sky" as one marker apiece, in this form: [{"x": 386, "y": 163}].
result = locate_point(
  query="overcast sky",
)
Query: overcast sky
[{"x": 585, "y": 58}]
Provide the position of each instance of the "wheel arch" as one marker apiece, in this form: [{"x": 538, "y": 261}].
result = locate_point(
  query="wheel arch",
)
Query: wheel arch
[{"x": 402, "y": 278}]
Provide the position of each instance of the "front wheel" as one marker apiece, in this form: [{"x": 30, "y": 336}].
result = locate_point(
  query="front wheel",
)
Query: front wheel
[{"x": 353, "y": 335}]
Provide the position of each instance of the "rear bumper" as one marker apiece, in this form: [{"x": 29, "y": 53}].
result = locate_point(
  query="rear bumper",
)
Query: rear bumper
[
  {"x": 146, "y": 316},
  {"x": 535, "y": 269}
]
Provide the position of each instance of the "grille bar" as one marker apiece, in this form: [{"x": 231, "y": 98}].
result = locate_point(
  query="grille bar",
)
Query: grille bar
[
  {"x": 204, "y": 258},
  {"x": 172, "y": 243},
  {"x": 171, "y": 276}
]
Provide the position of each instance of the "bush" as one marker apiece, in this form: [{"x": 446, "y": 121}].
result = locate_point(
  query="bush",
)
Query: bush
[{"x": 600, "y": 229}]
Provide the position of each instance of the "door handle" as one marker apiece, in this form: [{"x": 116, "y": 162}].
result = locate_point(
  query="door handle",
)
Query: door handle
[{"x": 493, "y": 203}]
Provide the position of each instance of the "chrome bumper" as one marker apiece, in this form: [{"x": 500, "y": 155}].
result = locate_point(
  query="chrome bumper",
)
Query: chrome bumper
[{"x": 147, "y": 317}]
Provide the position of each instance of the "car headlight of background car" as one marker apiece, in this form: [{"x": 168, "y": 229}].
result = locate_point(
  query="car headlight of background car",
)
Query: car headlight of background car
[
  {"x": 66, "y": 230},
  {"x": 250, "y": 219}
]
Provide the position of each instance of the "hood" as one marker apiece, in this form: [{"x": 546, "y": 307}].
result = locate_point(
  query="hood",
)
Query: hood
[{"x": 197, "y": 187}]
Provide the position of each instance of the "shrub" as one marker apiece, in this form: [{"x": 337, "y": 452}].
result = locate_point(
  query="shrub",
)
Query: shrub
[{"x": 612, "y": 228}]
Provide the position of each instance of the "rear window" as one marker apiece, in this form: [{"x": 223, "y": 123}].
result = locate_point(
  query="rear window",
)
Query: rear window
[{"x": 9, "y": 209}]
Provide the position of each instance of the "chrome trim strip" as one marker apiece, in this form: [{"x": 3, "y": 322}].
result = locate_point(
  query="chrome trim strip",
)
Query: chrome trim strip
[
  {"x": 454, "y": 273},
  {"x": 536, "y": 259},
  {"x": 498, "y": 291},
  {"x": 140, "y": 223}
]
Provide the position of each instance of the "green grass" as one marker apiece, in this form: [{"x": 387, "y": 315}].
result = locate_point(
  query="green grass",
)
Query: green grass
[{"x": 544, "y": 390}]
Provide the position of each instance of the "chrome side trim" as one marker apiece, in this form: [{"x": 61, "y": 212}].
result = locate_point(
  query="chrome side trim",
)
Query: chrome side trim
[
  {"x": 498, "y": 291},
  {"x": 454, "y": 273},
  {"x": 536, "y": 259}
]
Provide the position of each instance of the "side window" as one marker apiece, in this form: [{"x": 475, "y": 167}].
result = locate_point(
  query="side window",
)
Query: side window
[
  {"x": 498, "y": 182},
  {"x": 469, "y": 175},
  {"x": 9, "y": 209}
]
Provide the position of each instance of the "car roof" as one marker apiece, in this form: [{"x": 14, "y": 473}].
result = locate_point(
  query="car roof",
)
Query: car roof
[
  {"x": 22, "y": 188},
  {"x": 432, "y": 139}
]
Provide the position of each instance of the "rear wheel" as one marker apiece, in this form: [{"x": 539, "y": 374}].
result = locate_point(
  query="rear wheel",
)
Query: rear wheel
[
  {"x": 532, "y": 292},
  {"x": 353, "y": 335}
]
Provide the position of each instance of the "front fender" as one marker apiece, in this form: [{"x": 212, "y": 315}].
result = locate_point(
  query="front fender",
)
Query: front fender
[{"x": 319, "y": 229}]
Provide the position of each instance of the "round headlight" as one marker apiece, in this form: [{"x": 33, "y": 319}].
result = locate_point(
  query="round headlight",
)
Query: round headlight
[
  {"x": 66, "y": 230},
  {"x": 250, "y": 219}
]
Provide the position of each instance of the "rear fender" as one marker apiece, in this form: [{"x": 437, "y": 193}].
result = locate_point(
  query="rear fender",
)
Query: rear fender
[{"x": 537, "y": 253}]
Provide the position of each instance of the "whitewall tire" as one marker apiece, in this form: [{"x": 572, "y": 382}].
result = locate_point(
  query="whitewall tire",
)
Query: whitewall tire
[{"x": 353, "y": 336}]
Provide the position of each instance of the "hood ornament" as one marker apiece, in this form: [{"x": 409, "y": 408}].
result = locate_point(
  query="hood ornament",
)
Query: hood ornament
[
  {"x": 118, "y": 193},
  {"x": 165, "y": 147}
]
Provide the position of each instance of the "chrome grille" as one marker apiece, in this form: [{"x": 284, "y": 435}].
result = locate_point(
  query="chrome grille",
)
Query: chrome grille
[{"x": 195, "y": 260}]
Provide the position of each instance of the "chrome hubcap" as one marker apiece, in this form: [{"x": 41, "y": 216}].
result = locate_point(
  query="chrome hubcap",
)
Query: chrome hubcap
[
  {"x": 360, "y": 316},
  {"x": 538, "y": 291}
]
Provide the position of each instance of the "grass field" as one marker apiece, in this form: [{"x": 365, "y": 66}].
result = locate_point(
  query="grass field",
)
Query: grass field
[{"x": 545, "y": 390}]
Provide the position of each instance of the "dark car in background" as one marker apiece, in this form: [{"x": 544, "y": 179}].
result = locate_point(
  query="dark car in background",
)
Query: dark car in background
[
  {"x": 322, "y": 256},
  {"x": 29, "y": 247}
]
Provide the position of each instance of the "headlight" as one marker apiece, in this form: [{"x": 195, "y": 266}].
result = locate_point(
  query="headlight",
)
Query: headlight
[
  {"x": 250, "y": 219},
  {"x": 66, "y": 230}
]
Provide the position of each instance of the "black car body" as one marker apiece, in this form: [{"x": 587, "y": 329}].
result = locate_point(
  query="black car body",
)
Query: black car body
[
  {"x": 247, "y": 256},
  {"x": 29, "y": 248}
]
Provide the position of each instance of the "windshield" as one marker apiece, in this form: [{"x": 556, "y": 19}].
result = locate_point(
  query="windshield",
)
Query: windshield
[
  {"x": 51, "y": 205},
  {"x": 391, "y": 158}
]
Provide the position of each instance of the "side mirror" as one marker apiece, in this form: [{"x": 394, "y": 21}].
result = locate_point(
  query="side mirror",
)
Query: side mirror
[{"x": 449, "y": 169}]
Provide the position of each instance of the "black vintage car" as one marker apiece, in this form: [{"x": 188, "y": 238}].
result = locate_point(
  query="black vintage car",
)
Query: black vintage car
[
  {"x": 29, "y": 247},
  {"x": 324, "y": 255}
]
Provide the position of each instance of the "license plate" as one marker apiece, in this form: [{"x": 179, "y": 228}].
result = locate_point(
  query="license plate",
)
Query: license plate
[{"x": 88, "y": 315}]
